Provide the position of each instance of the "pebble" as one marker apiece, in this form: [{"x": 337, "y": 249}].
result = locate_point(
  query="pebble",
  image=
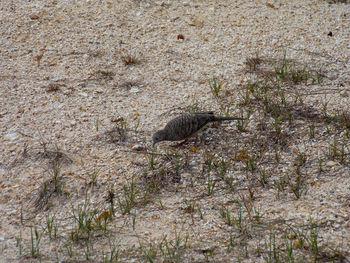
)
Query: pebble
[
  {"x": 72, "y": 123},
  {"x": 344, "y": 93},
  {"x": 11, "y": 136},
  {"x": 331, "y": 163},
  {"x": 138, "y": 147},
  {"x": 134, "y": 90}
]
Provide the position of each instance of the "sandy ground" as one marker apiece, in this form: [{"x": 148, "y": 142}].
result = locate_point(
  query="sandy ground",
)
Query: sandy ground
[{"x": 75, "y": 75}]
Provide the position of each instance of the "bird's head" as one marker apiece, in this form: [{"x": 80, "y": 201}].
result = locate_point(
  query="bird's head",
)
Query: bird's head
[{"x": 158, "y": 136}]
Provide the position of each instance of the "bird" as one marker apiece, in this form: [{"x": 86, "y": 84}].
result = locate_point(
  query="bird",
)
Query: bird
[{"x": 186, "y": 125}]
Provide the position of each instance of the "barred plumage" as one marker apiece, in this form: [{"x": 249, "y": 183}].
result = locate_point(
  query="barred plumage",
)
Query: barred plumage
[{"x": 186, "y": 125}]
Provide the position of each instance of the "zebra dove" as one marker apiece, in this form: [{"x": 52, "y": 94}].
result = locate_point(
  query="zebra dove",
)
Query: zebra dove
[{"x": 186, "y": 125}]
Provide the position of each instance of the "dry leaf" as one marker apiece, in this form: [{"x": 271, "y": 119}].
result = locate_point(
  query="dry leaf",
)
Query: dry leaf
[
  {"x": 193, "y": 149},
  {"x": 270, "y": 5},
  {"x": 242, "y": 155}
]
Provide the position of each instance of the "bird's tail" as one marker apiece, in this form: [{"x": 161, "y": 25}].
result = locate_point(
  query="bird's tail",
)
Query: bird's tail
[{"x": 219, "y": 118}]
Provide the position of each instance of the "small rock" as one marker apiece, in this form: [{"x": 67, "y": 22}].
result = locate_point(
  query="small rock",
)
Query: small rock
[
  {"x": 344, "y": 94},
  {"x": 34, "y": 16},
  {"x": 187, "y": 175},
  {"x": 331, "y": 163},
  {"x": 137, "y": 147},
  {"x": 134, "y": 90},
  {"x": 11, "y": 136},
  {"x": 72, "y": 123}
]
